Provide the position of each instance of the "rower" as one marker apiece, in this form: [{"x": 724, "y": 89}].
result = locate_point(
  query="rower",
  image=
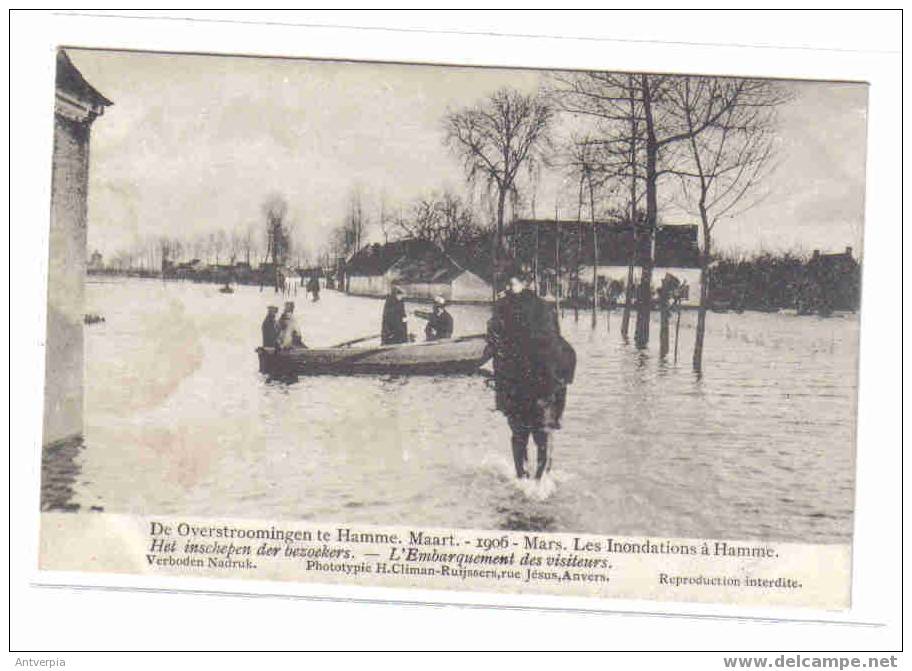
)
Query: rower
[{"x": 440, "y": 322}]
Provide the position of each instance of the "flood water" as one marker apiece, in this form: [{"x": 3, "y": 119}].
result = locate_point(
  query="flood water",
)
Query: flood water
[{"x": 178, "y": 420}]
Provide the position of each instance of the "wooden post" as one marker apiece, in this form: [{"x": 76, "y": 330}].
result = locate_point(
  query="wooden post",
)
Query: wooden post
[
  {"x": 664, "y": 314},
  {"x": 677, "y": 324}
]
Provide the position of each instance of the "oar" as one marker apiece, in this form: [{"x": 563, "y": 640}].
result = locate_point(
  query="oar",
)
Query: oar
[{"x": 357, "y": 340}]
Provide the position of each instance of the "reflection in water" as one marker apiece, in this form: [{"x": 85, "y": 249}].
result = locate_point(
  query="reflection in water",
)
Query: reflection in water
[
  {"x": 60, "y": 469},
  {"x": 180, "y": 421}
]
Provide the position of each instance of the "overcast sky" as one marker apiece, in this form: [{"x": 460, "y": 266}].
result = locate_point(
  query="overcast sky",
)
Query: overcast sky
[{"x": 195, "y": 143}]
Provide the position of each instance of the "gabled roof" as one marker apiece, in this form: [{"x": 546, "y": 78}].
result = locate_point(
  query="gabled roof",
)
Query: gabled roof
[
  {"x": 675, "y": 245},
  {"x": 429, "y": 268},
  {"x": 476, "y": 258},
  {"x": 377, "y": 259},
  {"x": 70, "y": 80}
]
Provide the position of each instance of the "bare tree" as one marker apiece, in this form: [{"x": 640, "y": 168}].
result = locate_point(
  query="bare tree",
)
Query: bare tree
[
  {"x": 352, "y": 231},
  {"x": 584, "y": 162},
  {"x": 442, "y": 218},
  {"x": 220, "y": 244},
  {"x": 248, "y": 243},
  {"x": 459, "y": 222},
  {"x": 726, "y": 160},
  {"x": 383, "y": 221},
  {"x": 275, "y": 211},
  {"x": 495, "y": 139},
  {"x": 424, "y": 222},
  {"x": 640, "y": 125}
]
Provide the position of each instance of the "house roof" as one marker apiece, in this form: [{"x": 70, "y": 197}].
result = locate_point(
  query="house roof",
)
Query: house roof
[
  {"x": 429, "y": 269},
  {"x": 420, "y": 261},
  {"x": 675, "y": 246},
  {"x": 476, "y": 257},
  {"x": 70, "y": 80},
  {"x": 377, "y": 259}
]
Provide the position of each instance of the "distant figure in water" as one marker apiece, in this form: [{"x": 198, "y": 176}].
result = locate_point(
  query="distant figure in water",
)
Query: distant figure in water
[
  {"x": 394, "y": 327},
  {"x": 440, "y": 322},
  {"x": 533, "y": 365},
  {"x": 313, "y": 287},
  {"x": 271, "y": 327},
  {"x": 289, "y": 333}
]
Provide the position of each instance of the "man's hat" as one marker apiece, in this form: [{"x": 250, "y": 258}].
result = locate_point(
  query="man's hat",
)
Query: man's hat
[
  {"x": 439, "y": 300},
  {"x": 272, "y": 308}
]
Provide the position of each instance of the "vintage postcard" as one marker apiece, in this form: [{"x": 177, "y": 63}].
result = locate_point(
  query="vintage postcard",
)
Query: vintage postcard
[{"x": 572, "y": 333}]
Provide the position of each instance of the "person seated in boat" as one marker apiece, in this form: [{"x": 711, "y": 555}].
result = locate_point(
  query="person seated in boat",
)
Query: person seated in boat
[
  {"x": 289, "y": 334},
  {"x": 533, "y": 365},
  {"x": 440, "y": 322},
  {"x": 394, "y": 326},
  {"x": 270, "y": 327}
]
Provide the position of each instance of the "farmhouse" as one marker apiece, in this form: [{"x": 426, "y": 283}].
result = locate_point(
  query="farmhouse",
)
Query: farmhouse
[
  {"x": 420, "y": 267},
  {"x": 554, "y": 250}
]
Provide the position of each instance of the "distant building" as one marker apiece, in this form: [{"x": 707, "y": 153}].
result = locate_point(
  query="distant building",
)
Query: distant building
[
  {"x": 556, "y": 249},
  {"x": 832, "y": 282},
  {"x": 96, "y": 261},
  {"x": 76, "y": 106},
  {"x": 421, "y": 268}
]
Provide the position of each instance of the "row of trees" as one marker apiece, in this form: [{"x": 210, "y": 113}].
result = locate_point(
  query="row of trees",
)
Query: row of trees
[
  {"x": 273, "y": 240},
  {"x": 707, "y": 141},
  {"x": 219, "y": 246}
]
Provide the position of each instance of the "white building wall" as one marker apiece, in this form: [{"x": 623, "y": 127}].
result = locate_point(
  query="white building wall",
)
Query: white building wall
[
  {"x": 468, "y": 286},
  {"x": 426, "y": 290},
  {"x": 369, "y": 285}
]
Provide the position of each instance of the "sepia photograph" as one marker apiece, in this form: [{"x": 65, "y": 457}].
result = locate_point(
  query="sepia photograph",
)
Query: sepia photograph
[{"x": 429, "y": 296}]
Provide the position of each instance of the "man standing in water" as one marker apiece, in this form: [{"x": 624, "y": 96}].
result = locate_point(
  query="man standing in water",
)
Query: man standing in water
[
  {"x": 313, "y": 286},
  {"x": 394, "y": 327},
  {"x": 533, "y": 365}
]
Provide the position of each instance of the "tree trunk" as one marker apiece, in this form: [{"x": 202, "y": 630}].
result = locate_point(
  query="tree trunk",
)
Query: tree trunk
[
  {"x": 497, "y": 244},
  {"x": 501, "y": 207},
  {"x": 704, "y": 300},
  {"x": 645, "y": 294},
  {"x": 663, "y": 321},
  {"x": 579, "y": 253},
  {"x": 628, "y": 293},
  {"x": 557, "y": 264},
  {"x": 628, "y": 287},
  {"x": 595, "y": 254},
  {"x": 644, "y": 297}
]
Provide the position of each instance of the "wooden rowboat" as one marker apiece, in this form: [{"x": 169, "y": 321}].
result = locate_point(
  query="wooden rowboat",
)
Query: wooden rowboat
[{"x": 453, "y": 356}]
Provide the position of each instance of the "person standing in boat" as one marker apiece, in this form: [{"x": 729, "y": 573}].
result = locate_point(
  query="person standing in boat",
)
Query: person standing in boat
[
  {"x": 394, "y": 327},
  {"x": 289, "y": 334},
  {"x": 270, "y": 327},
  {"x": 533, "y": 365},
  {"x": 440, "y": 322}
]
